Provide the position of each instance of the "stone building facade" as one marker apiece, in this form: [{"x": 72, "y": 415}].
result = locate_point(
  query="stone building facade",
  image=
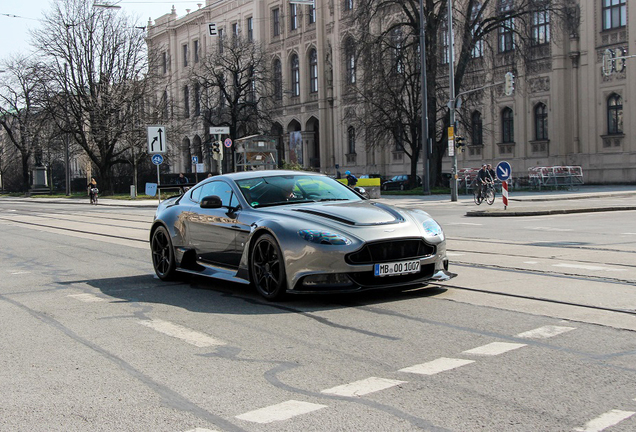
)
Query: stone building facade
[{"x": 563, "y": 112}]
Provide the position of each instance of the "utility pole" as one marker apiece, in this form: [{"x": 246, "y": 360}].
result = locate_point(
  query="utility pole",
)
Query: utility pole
[
  {"x": 451, "y": 104},
  {"x": 426, "y": 185}
]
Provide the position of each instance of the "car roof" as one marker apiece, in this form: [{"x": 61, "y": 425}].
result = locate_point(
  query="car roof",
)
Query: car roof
[{"x": 264, "y": 173}]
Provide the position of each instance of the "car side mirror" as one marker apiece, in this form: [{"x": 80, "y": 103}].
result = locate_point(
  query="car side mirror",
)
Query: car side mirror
[{"x": 211, "y": 202}]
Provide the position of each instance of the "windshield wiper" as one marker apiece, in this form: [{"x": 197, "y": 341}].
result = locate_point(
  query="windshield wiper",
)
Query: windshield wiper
[{"x": 334, "y": 199}]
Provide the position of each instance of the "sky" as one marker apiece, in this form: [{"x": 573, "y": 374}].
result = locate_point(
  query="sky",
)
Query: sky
[{"x": 17, "y": 17}]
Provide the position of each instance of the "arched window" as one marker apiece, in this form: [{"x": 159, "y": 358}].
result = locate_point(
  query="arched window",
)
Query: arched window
[
  {"x": 350, "y": 59},
  {"x": 295, "y": 75},
  {"x": 476, "y": 128},
  {"x": 507, "y": 126},
  {"x": 278, "y": 79},
  {"x": 614, "y": 115},
  {"x": 313, "y": 71},
  {"x": 351, "y": 140},
  {"x": 540, "y": 122}
]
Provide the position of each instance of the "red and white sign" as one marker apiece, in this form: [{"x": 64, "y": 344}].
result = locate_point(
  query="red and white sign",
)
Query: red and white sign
[{"x": 504, "y": 192}]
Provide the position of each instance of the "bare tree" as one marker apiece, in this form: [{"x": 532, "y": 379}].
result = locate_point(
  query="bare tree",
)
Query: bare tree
[
  {"x": 488, "y": 34},
  {"x": 233, "y": 85},
  {"x": 21, "y": 112},
  {"x": 96, "y": 59}
]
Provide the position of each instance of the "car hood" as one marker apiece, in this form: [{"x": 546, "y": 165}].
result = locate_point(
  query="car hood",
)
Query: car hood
[{"x": 356, "y": 213}]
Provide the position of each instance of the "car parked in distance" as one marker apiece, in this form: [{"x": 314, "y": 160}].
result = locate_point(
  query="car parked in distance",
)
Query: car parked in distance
[{"x": 401, "y": 182}]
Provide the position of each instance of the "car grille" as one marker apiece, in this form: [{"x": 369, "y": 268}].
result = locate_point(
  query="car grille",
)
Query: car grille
[
  {"x": 394, "y": 250},
  {"x": 368, "y": 279}
]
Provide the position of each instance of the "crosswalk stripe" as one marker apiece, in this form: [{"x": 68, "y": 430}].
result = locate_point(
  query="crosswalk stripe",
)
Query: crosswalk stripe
[
  {"x": 363, "y": 387},
  {"x": 281, "y": 411},
  {"x": 605, "y": 420},
  {"x": 494, "y": 348},
  {"x": 442, "y": 364},
  {"x": 545, "y": 332},
  {"x": 190, "y": 336}
]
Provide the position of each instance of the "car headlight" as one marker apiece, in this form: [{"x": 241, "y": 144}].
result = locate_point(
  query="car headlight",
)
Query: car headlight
[
  {"x": 324, "y": 237},
  {"x": 432, "y": 228}
]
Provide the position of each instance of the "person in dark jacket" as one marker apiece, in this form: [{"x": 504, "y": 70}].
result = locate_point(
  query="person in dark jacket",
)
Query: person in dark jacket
[{"x": 351, "y": 179}]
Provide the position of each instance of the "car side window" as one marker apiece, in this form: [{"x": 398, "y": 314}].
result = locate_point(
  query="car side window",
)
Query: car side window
[
  {"x": 220, "y": 189},
  {"x": 195, "y": 195}
]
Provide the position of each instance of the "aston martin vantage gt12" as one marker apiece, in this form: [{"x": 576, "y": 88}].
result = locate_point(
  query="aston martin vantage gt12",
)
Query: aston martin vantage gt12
[{"x": 294, "y": 232}]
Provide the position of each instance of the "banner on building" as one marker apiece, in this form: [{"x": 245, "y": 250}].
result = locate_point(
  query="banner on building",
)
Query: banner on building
[{"x": 296, "y": 147}]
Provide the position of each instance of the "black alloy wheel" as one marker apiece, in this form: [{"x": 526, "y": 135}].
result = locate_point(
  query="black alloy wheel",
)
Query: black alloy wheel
[
  {"x": 163, "y": 254},
  {"x": 267, "y": 268}
]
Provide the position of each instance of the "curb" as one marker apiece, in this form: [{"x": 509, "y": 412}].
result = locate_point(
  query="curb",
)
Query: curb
[{"x": 498, "y": 213}]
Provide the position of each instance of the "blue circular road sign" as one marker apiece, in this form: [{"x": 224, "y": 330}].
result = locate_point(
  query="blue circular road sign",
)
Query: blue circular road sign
[
  {"x": 157, "y": 159},
  {"x": 504, "y": 171}
]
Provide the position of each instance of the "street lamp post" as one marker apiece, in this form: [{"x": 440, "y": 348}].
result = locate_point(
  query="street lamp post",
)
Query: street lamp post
[
  {"x": 451, "y": 105},
  {"x": 426, "y": 185}
]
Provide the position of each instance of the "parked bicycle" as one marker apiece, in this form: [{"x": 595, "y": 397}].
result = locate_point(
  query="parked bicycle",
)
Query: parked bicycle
[{"x": 488, "y": 194}]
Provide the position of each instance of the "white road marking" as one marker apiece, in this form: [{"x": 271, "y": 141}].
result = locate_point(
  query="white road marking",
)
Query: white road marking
[
  {"x": 436, "y": 366},
  {"x": 201, "y": 430},
  {"x": 531, "y": 262},
  {"x": 362, "y": 387},
  {"x": 494, "y": 348},
  {"x": 588, "y": 267},
  {"x": 281, "y": 411},
  {"x": 628, "y": 233},
  {"x": 605, "y": 420},
  {"x": 190, "y": 336},
  {"x": 20, "y": 272},
  {"x": 549, "y": 229},
  {"x": 87, "y": 298},
  {"x": 454, "y": 254},
  {"x": 464, "y": 223},
  {"x": 545, "y": 332}
]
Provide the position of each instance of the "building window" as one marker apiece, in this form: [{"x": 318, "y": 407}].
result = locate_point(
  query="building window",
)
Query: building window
[
  {"x": 311, "y": 13},
  {"x": 278, "y": 80},
  {"x": 397, "y": 54},
  {"x": 541, "y": 122},
  {"x": 398, "y": 134},
  {"x": 186, "y": 101},
  {"x": 251, "y": 92},
  {"x": 164, "y": 62},
  {"x": 185, "y": 55},
  {"x": 293, "y": 16},
  {"x": 477, "y": 129},
  {"x": 351, "y": 140},
  {"x": 221, "y": 41},
  {"x": 196, "y": 51},
  {"x": 445, "y": 43},
  {"x": 250, "y": 29},
  {"x": 478, "y": 49},
  {"x": 313, "y": 71},
  {"x": 295, "y": 76},
  {"x": 348, "y": 5},
  {"x": 614, "y": 115},
  {"x": 197, "y": 99},
  {"x": 276, "y": 21},
  {"x": 235, "y": 34},
  {"x": 540, "y": 27},
  {"x": 614, "y": 14},
  {"x": 350, "y": 58},
  {"x": 506, "y": 28},
  {"x": 165, "y": 105},
  {"x": 507, "y": 126}
]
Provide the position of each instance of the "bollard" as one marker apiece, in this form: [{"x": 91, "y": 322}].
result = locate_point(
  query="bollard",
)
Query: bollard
[{"x": 133, "y": 192}]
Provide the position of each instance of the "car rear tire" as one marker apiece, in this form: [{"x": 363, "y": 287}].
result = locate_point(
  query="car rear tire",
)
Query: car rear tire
[
  {"x": 267, "y": 268},
  {"x": 163, "y": 254}
]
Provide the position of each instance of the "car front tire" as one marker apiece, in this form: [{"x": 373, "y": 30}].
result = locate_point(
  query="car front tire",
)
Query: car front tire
[
  {"x": 163, "y": 254},
  {"x": 267, "y": 268}
]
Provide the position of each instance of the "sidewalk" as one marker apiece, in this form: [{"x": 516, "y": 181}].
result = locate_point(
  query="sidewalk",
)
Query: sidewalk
[{"x": 521, "y": 203}]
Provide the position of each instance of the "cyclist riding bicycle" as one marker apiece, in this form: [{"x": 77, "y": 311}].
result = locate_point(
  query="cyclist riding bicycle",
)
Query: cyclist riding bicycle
[{"x": 484, "y": 178}]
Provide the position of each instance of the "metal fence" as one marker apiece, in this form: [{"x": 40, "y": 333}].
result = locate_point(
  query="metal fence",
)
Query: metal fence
[{"x": 554, "y": 177}]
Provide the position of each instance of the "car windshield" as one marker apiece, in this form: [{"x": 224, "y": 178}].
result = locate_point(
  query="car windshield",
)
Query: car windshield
[{"x": 265, "y": 191}]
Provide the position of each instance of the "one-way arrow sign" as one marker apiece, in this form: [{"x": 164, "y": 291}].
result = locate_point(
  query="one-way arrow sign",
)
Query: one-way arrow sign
[{"x": 157, "y": 139}]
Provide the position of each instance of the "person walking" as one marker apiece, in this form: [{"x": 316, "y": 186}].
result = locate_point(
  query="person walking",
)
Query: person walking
[{"x": 92, "y": 190}]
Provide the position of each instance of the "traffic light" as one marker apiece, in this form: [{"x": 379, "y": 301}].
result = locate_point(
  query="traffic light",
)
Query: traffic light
[
  {"x": 509, "y": 85},
  {"x": 460, "y": 142},
  {"x": 216, "y": 147}
]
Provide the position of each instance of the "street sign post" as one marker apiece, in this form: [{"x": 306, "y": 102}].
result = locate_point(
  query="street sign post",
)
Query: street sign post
[
  {"x": 504, "y": 171},
  {"x": 195, "y": 160},
  {"x": 157, "y": 159},
  {"x": 157, "y": 139},
  {"x": 451, "y": 141},
  {"x": 219, "y": 130},
  {"x": 212, "y": 31},
  {"x": 228, "y": 142}
]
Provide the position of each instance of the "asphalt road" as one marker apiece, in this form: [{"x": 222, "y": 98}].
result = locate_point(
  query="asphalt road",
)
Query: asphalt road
[{"x": 535, "y": 334}]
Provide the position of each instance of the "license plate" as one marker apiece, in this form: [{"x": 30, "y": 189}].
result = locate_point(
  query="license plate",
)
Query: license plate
[{"x": 397, "y": 268}]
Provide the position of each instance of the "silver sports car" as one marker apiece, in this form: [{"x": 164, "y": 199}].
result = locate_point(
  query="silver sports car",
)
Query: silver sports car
[{"x": 294, "y": 232}]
